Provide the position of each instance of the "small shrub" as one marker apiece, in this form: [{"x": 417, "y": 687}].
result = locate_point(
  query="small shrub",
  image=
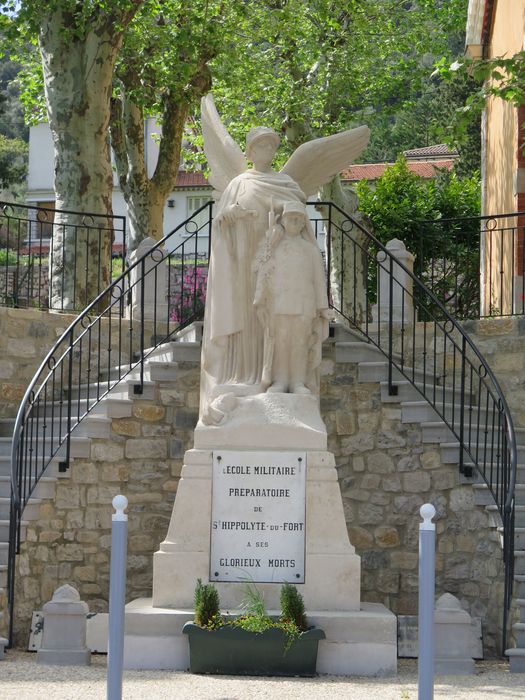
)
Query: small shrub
[
  {"x": 292, "y": 606},
  {"x": 207, "y": 606}
]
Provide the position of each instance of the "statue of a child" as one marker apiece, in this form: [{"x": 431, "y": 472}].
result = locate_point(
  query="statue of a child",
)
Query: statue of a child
[{"x": 291, "y": 303}]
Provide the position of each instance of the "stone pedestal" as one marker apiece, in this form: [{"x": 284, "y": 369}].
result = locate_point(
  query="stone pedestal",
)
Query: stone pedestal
[
  {"x": 453, "y": 637},
  {"x": 361, "y": 639},
  {"x": 64, "y": 635}
]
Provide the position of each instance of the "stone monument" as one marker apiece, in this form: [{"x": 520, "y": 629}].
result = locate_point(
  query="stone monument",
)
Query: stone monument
[{"x": 259, "y": 497}]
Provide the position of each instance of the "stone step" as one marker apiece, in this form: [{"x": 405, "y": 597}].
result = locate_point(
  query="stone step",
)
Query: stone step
[
  {"x": 483, "y": 496},
  {"x": 80, "y": 447},
  {"x": 407, "y": 392},
  {"x": 163, "y": 371},
  {"x": 31, "y": 511},
  {"x": 118, "y": 406},
  {"x": 45, "y": 487},
  {"x": 3, "y": 576},
  {"x": 4, "y": 530},
  {"x": 519, "y": 632},
  {"x": 176, "y": 352},
  {"x": 193, "y": 333},
  {"x": 519, "y": 561},
  {"x": 450, "y": 452},
  {"x": 519, "y": 539},
  {"x": 437, "y": 431},
  {"x": 422, "y": 412},
  {"x": 4, "y": 554},
  {"x": 378, "y": 371},
  {"x": 516, "y": 660},
  {"x": 359, "y": 351},
  {"x": 126, "y": 389}
]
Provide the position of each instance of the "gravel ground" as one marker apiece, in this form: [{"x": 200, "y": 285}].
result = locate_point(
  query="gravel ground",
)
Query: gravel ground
[{"x": 21, "y": 679}]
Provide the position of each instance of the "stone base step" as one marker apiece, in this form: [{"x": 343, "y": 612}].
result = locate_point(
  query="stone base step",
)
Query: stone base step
[
  {"x": 516, "y": 660},
  {"x": 363, "y": 642}
]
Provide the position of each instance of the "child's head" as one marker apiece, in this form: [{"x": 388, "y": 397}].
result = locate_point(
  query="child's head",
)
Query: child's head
[{"x": 293, "y": 218}]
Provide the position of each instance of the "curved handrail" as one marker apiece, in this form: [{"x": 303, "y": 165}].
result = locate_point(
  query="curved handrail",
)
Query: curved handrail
[
  {"x": 362, "y": 258},
  {"x": 86, "y": 349},
  {"x": 402, "y": 300}
]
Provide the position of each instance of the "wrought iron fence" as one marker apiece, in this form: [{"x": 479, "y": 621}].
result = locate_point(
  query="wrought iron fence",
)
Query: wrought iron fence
[
  {"x": 474, "y": 265},
  {"x": 111, "y": 339},
  {"x": 437, "y": 358},
  {"x": 32, "y": 242},
  {"x": 101, "y": 347}
]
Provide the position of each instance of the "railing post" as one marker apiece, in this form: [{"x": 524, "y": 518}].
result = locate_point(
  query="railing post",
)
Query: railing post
[
  {"x": 427, "y": 558},
  {"x": 462, "y": 408},
  {"x": 117, "y": 598},
  {"x": 147, "y": 287}
]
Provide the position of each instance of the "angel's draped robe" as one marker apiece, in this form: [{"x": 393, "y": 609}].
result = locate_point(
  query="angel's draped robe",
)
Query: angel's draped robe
[{"x": 233, "y": 337}]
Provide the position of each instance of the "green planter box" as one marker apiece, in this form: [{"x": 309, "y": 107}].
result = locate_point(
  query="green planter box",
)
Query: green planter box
[{"x": 233, "y": 651}]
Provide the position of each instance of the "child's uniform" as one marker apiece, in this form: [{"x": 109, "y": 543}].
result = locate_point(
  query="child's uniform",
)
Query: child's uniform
[{"x": 293, "y": 314}]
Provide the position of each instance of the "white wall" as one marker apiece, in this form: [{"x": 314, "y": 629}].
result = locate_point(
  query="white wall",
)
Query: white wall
[{"x": 41, "y": 176}]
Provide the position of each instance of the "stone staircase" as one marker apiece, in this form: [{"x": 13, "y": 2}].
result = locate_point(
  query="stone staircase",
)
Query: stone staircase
[
  {"x": 165, "y": 363},
  {"x": 372, "y": 366}
]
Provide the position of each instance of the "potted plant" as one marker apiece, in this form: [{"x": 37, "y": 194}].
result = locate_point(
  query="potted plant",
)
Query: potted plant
[{"x": 253, "y": 643}]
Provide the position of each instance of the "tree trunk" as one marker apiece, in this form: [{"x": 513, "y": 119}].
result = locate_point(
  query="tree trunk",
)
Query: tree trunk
[
  {"x": 145, "y": 197},
  {"x": 78, "y": 73},
  {"x": 348, "y": 256}
]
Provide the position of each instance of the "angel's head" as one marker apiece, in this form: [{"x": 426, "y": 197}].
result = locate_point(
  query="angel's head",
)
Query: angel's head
[{"x": 261, "y": 146}]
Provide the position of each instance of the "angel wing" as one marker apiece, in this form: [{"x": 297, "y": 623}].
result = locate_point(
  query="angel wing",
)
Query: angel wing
[
  {"x": 316, "y": 162},
  {"x": 225, "y": 158}
]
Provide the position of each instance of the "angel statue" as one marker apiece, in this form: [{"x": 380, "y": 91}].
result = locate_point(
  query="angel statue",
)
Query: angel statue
[{"x": 250, "y": 201}]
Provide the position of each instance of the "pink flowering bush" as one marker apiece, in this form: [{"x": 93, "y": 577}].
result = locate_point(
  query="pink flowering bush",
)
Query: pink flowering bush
[{"x": 189, "y": 296}]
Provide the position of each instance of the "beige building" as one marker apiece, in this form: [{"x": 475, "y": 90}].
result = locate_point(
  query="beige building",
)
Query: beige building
[{"x": 497, "y": 28}]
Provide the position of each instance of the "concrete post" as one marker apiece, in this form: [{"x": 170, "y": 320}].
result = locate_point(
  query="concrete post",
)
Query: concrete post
[
  {"x": 427, "y": 559},
  {"x": 400, "y": 288},
  {"x": 148, "y": 293},
  {"x": 117, "y": 598}
]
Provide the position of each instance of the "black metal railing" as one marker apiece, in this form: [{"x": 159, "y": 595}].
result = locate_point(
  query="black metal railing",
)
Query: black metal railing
[
  {"x": 35, "y": 240},
  {"x": 473, "y": 265},
  {"x": 145, "y": 306},
  {"x": 370, "y": 289},
  {"x": 382, "y": 299}
]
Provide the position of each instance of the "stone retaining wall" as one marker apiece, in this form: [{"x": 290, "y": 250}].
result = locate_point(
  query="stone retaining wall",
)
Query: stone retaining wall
[{"x": 385, "y": 474}]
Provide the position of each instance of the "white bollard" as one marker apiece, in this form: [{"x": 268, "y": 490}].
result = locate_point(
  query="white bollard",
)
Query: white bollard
[
  {"x": 427, "y": 584},
  {"x": 117, "y": 598}
]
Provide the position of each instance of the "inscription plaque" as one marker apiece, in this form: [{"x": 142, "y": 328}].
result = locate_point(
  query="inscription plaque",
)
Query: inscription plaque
[{"x": 258, "y": 516}]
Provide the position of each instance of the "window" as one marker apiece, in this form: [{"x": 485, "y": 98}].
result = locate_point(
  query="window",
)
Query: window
[{"x": 194, "y": 203}]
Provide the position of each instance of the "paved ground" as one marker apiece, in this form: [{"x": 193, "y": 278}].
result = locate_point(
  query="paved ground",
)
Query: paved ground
[{"x": 22, "y": 679}]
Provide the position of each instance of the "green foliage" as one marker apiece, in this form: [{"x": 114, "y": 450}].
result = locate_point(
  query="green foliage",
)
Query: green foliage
[
  {"x": 315, "y": 68},
  {"x": 447, "y": 251},
  {"x": 13, "y": 161},
  {"x": 502, "y": 77},
  {"x": 207, "y": 607},
  {"x": 254, "y": 616},
  {"x": 292, "y": 606}
]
